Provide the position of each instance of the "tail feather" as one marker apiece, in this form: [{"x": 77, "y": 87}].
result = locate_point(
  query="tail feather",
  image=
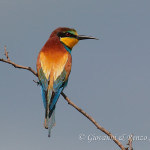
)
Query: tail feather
[
  {"x": 48, "y": 95},
  {"x": 51, "y": 122},
  {"x": 51, "y": 116},
  {"x": 51, "y": 100}
]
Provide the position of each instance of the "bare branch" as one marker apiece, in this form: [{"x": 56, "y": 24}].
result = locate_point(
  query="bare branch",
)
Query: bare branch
[
  {"x": 8, "y": 61},
  {"x": 68, "y": 100},
  {"x": 130, "y": 142},
  {"x": 93, "y": 121},
  {"x": 18, "y": 66}
]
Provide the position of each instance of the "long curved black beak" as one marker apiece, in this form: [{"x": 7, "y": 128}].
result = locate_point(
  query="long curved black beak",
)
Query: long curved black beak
[{"x": 83, "y": 37}]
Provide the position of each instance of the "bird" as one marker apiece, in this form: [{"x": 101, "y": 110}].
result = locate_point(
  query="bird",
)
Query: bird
[{"x": 53, "y": 65}]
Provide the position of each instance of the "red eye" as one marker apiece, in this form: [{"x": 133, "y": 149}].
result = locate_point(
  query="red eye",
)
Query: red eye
[{"x": 68, "y": 34}]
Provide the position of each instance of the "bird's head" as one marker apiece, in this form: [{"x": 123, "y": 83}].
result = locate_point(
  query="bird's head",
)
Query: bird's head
[{"x": 69, "y": 37}]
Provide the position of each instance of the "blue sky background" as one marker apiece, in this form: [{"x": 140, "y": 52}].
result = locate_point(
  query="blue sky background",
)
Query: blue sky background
[{"x": 110, "y": 78}]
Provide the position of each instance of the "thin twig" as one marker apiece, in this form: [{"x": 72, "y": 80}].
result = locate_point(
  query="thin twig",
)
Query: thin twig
[
  {"x": 6, "y": 53},
  {"x": 130, "y": 140},
  {"x": 68, "y": 100}
]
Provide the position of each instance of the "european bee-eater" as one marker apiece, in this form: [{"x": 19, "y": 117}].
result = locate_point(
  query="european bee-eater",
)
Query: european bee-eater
[{"x": 53, "y": 67}]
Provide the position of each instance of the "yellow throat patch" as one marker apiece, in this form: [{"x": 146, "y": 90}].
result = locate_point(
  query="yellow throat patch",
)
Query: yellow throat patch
[{"x": 70, "y": 41}]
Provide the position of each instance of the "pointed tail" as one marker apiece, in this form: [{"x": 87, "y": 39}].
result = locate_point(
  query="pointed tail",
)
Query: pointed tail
[
  {"x": 51, "y": 117},
  {"x": 51, "y": 121}
]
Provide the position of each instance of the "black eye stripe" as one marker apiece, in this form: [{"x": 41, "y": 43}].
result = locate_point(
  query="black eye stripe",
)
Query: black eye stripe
[
  {"x": 61, "y": 34},
  {"x": 66, "y": 34}
]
